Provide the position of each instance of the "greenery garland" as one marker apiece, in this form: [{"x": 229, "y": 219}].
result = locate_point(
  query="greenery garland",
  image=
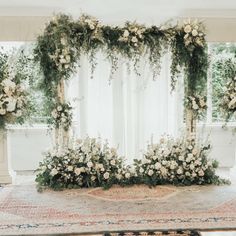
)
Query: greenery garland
[{"x": 64, "y": 40}]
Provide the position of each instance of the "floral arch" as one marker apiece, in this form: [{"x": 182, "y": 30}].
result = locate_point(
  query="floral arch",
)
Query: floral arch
[{"x": 58, "y": 51}]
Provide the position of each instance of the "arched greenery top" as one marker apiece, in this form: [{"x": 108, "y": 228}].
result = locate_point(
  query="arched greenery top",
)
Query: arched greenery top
[{"x": 64, "y": 40}]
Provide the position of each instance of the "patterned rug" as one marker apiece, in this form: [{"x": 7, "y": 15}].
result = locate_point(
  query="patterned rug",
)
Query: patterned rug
[
  {"x": 24, "y": 211},
  {"x": 155, "y": 233}
]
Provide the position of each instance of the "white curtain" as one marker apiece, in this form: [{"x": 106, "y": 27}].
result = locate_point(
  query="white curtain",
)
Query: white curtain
[{"x": 130, "y": 111}]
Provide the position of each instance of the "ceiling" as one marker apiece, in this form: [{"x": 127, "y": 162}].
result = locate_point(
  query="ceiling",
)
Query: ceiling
[{"x": 118, "y": 10}]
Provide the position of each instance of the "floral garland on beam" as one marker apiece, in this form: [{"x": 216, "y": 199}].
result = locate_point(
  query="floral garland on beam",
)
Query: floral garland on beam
[{"x": 64, "y": 40}]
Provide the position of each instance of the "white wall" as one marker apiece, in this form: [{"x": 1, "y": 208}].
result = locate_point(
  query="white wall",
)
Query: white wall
[{"x": 26, "y": 147}]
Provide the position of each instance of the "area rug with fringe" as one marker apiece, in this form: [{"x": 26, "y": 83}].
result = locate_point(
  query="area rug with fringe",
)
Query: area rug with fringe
[{"x": 24, "y": 211}]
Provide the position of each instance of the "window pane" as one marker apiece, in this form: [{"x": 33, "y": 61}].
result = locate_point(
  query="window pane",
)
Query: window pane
[
  {"x": 220, "y": 52},
  {"x": 21, "y": 60}
]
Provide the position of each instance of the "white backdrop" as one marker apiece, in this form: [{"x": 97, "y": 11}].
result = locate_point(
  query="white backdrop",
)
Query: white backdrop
[{"x": 129, "y": 111}]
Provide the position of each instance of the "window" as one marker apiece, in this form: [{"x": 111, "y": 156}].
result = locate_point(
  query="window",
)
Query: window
[
  {"x": 21, "y": 59},
  {"x": 217, "y": 82}
]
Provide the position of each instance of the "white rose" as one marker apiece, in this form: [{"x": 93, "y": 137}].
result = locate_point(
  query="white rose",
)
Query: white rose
[
  {"x": 141, "y": 170},
  {"x": 150, "y": 172},
  {"x": 164, "y": 162},
  {"x": 179, "y": 171},
  {"x": 154, "y": 158},
  {"x": 190, "y": 155},
  {"x": 157, "y": 166},
  {"x": 127, "y": 175},
  {"x": 106, "y": 175},
  {"x": 59, "y": 108},
  {"x": 2, "y": 111},
  {"x": 53, "y": 172},
  {"x": 134, "y": 39},
  {"x": 113, "y": 162},
  {"x": 191, "y": 166},
  {"x": 91, "y": 26},
  {"x": 172, "y": 167},
  {"x": 194, "y": 32},
  {"x": 181, "y": 158},
  {"x": 201, "y": 173},
  {"x": 90, "y": 164},
  {"x": 187, "y": 29},
  {"x": 70, "y": 168},
  {"x": 77, "y": 171},
  {"x": 187, "y": 173},
  {"x": 195, "y": 106},
  {"x": 126, "y": 33}
]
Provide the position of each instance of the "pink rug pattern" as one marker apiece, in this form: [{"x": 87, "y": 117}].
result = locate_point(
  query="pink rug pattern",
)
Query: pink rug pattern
[{"x": 24, "y": 211}]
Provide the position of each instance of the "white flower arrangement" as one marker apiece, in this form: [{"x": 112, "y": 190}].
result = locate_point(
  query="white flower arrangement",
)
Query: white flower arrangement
[
  {"x": 132, "y": 34},
  {"x": 90, "y": 22},
  {"x": 62, "y": 55},
  {"x": 61, "y": 116},
  {"x": 180, "y": 161},
  {"x": 13, "y": 100},
  {"x": 197, "y": 104},
  {"x": 194, "y": 35},
  {"x": 88, "y": 164}
]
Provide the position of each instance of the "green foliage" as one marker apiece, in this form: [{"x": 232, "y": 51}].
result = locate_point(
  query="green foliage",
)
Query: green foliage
[
  {"x": 88, "y": 164},
  {"x": 132, "y": 41},
  {"x": 223, "y": 73}
]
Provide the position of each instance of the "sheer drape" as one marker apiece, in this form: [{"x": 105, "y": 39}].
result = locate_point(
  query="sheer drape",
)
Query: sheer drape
[{"x": 130, "y": 110}]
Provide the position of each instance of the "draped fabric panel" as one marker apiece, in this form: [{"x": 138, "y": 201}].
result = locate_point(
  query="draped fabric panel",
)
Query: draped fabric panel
[{"x": 129, "y": 111}]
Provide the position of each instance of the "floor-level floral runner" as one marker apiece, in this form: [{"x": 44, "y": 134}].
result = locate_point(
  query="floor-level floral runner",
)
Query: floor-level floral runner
[{"x": 24, "y": 211}]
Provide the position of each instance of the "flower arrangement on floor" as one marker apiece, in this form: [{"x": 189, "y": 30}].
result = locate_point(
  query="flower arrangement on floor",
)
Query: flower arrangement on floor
[
  {"x": 13, "y": 98},
  {"x": 181, "y": 161},
  {"x": 89, "y": 163}
]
